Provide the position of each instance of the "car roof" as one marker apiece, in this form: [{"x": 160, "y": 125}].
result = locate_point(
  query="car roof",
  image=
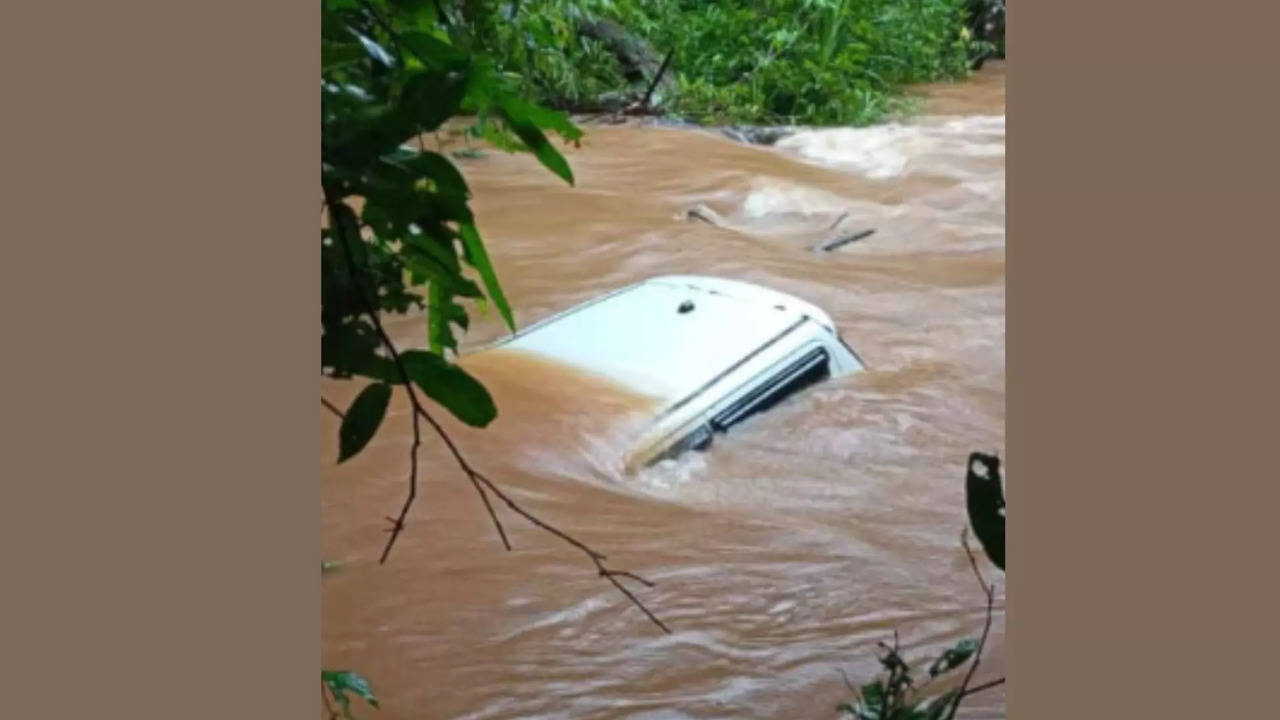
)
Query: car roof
[{"x": 640, "y": 337}]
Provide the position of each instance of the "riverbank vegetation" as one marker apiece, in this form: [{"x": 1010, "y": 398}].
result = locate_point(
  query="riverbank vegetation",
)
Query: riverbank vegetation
[{"x": 843, "y": 62}]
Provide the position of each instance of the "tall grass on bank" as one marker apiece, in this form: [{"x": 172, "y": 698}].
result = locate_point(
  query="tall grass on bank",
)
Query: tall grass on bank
[{"x": 820, "y": 62}]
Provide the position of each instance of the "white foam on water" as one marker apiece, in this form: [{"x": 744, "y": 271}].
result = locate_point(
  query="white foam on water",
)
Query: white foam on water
[
  {"x": 886, "y": 151},
  {"x": 670, "y": 474},
  {"x": 771, "y": 197}
]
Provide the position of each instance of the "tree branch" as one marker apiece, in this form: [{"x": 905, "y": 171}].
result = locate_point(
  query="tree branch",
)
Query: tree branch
[
  {"x": 371, "y": 311},
  {"x": 478, "y": 480},
  {"x": 657, "y": 77},
  {"x": 990, "y": 591},
  {"x": 597, "y": 558},
  {"x": 331, "y": 408},
  {"x": 973, "y": 561},
  {"x": 983, "y": 686}
]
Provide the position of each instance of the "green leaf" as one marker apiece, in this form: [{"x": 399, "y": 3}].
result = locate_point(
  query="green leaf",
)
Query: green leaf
[
  {"x": 542, "y": 148},
  {"x": 441, "y": 311},
  {"x": 334, "y": 54},
  {"x": 553, "y": 120},
  {"x": 429, "y": 98},
  {"x": 522, "y": 123},
  {"x": 420, "y": 163},
  {"x": 873, "y": 696},
  {"x": 434, "y": 263},
  {"x": 479, "y": 259},
  {"x": 432, "y": 51},
  {"x": 450, "y": 386},
  {"x": 347, "y": 348},
  {"x": 438, "y": 335},
  {"x": 433, "y": 257},
  {"x": 985, "y": 500},
  {"x": 362, "y": 419},
  {"x": 953, "y": 657},
  {"x": 347, "y": 238},
  {"x": 376, "y": 52},
  {"x": 381, "y": 369},
  {"x": 341, "y": 682}
]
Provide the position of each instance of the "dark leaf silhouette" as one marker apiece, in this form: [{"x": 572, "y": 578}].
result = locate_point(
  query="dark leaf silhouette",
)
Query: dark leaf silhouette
[
  {"x": 450, "y": 386},
  {"x": 362, "y": 419},
  {"x": 985, "y": 498}
]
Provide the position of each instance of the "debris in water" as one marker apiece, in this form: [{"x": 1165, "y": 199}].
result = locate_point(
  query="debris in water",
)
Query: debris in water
[
  {"x": 706, "y": 215},
  {"x": 839, "y": 240},
  {"x": 468, "y": 153},
  {"x": 758, "y": 135}
]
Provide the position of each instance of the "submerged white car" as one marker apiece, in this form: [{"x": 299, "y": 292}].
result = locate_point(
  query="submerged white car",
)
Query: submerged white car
[{"x": 712, "y": 350}]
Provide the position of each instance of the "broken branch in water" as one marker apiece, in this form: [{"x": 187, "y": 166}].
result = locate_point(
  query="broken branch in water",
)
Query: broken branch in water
[
  {"x": 706, "y": 215},
  {"x": 482, "y": 484},
  {"x": 833, "y": 243}
]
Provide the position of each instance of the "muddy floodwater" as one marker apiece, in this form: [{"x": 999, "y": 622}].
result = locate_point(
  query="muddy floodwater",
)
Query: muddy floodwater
[{"x": 780, "y": 555}]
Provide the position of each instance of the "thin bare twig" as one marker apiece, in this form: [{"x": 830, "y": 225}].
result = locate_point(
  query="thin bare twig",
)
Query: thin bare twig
[
  {"x": 973, "y": 560},
  {"x": 983, "y": 686},
  {"x": 597, "y": 557},
  {"x": 484, "y": 496},
  {"x": 847, "y": 682},
  {"x": 990, "y": 591},
  {"x": 633, "y": 576},
  {"x": 371, "y": 311},
  {"x": 398, "y": 523},
  {"x": 332, "y": 409}
]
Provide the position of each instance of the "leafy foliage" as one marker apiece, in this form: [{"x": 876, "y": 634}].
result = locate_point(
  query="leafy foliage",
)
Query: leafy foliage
[
  {"x": 538, "y": 46},
  {"x": 399, "y": 222},
  {"x": 399, "y": 234},
  {"x": 809, "y": 61},
  {"x": 770, "y": 61},
  {"x": 450, "y": 386},
  {"x": 986, "y": 26},
  {"x": 341, "y": 684},
  {"x": 897, "y": 697},
  {"x": 792, "y": 61}
]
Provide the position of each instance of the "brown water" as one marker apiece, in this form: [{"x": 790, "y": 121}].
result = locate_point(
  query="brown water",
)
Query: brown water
[{"x": 791, "y": 546}]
